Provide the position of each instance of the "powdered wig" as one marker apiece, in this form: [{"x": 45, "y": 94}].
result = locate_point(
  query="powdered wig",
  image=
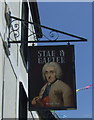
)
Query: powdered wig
[{"x": 57, "y": 67}]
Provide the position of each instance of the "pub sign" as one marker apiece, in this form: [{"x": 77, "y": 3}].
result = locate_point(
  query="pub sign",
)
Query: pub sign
[{"x": 51, "y": 77}]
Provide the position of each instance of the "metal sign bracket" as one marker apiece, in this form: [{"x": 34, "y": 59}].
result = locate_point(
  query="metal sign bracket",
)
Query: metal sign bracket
[{"x": 53, "y": 34}]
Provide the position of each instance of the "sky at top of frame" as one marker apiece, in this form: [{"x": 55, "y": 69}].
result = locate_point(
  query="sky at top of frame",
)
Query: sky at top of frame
[{"x": 47, "y": 0}]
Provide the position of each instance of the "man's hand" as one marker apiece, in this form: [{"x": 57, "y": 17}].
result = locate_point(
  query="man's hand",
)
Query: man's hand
[{"x": 37, "y": 102}]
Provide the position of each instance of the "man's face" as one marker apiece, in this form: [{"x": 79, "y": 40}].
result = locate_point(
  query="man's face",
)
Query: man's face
[{"x": 50, "y": 74}]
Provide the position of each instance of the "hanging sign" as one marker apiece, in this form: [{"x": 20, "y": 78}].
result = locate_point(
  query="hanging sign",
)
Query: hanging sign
[{"x": 51, "y": 77}]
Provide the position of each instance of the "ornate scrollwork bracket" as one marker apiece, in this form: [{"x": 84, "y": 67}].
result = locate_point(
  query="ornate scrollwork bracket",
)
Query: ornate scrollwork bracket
[{"x": 53, "y": 35}]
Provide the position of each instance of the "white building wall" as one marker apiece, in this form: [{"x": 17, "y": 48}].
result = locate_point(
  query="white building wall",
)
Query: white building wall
[
  {"x": 8, "y": 80},
  {"x": 10, "y": 90},
  {"x": 1, "y": 59},
  {"x": 1, "y": 75},
  {"x": 12, "y": 69}
]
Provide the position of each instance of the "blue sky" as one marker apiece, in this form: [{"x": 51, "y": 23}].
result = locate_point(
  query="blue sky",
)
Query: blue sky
[{"x": 74, "y": 18}]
